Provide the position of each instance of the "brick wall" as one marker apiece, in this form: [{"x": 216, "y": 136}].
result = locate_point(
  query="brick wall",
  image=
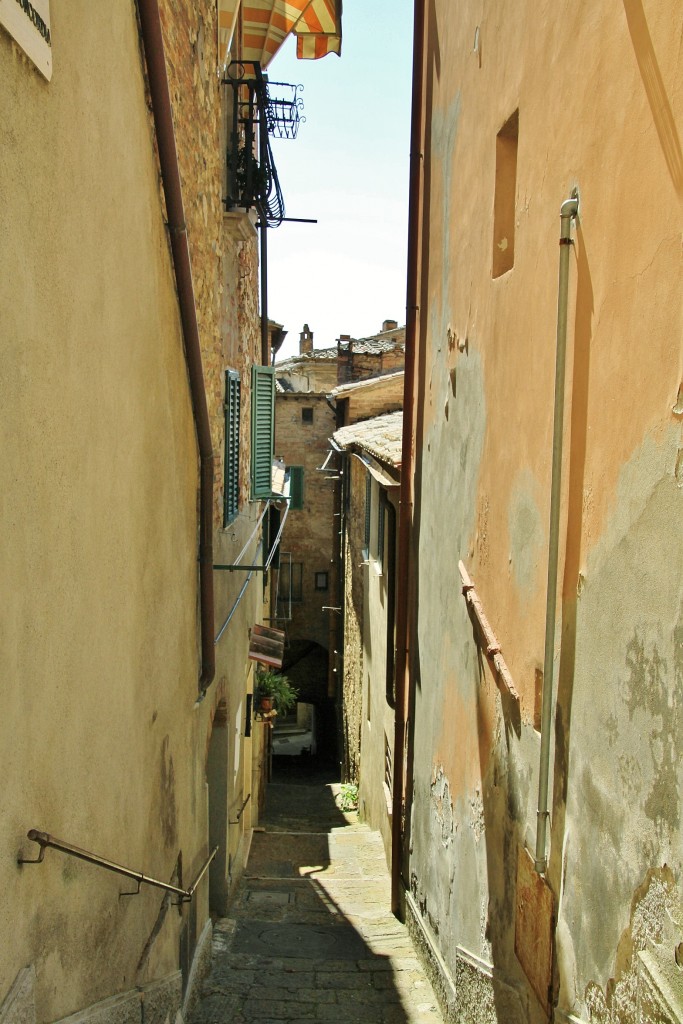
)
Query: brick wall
[
  {"x": 375, "y": 401},
  {"x": 224, "y": 269},
  {"x": 308, "y": 532}
]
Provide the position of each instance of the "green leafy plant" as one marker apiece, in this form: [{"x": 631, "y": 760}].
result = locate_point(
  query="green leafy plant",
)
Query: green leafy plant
[
  {"x": 277, "y": 688},
  {"x": 348, "y": 800},
  {"x": 251, "y": 178}
]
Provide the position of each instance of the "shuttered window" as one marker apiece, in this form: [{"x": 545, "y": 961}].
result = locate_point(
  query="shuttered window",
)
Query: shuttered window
[
  {"x": 296, "y": 486},
  {"x": 262, "y": 425},
  {"x": 368, "y": 511},
  {"x": 380, "y": 530},
  {"x": 231, "y": 474}
]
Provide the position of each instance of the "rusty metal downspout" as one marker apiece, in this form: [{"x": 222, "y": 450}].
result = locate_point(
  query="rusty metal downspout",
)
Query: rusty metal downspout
[
  {"x": 168, "y": 158},
  {"x": 406, "y": 497}
]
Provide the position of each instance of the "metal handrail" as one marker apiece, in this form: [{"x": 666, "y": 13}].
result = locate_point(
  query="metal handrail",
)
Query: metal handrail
[
  {"x": 45, "y": 840},
  {"x": 251, "y": 568},
  {"x": 241, "y": 811},
  {"x": 492, "y": 649}
]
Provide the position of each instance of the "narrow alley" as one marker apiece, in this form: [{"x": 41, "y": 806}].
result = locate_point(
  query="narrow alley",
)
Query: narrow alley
[{"x": 310, "y": 936}]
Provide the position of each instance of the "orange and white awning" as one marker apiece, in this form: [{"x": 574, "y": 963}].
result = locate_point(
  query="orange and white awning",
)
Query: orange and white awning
[{"x": 266, "y": 24}]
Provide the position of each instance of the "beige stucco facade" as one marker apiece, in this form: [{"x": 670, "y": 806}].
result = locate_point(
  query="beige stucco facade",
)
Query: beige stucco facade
[
  {"x": 102, "y": 740},
  {"x": 522, "y": 105}
]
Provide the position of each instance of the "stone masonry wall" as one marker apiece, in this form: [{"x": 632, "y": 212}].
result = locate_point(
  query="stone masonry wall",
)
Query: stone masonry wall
[
  {"x": 308, "y": 531},
  {"x": 353, "y": 619},
  {"x": 375, "y": 401},
  {"x": 224, "y": 269}
]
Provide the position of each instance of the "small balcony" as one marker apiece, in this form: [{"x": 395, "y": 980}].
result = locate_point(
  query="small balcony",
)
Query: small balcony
[{"x": 257, "y": 110}]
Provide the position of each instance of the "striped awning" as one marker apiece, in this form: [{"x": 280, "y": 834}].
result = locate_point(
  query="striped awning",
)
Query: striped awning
[{"x": 267, "y": 23}]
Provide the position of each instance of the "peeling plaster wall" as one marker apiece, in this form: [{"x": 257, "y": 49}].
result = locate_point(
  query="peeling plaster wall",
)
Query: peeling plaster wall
[{"x": 486, "y": 350}]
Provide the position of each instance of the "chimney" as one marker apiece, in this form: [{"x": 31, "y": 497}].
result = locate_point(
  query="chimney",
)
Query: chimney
[
  {"x": 305, "y": 340},
  {"x": 389, "y": 325}
]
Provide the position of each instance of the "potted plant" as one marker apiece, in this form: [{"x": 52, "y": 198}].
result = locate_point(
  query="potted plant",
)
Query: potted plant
[
  {"x": 250, "y": 180},
  {"x": 274, "y": 692}
]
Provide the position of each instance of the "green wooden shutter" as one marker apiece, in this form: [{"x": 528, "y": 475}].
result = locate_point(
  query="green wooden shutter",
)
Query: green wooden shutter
[
  {"x": 232, "y": 447},
  {"x": 380, "y": 528},
  {"x": 368, "y": 509},
  {"x": 296, "y": 487},
  {"x": 262, "y": 428}
]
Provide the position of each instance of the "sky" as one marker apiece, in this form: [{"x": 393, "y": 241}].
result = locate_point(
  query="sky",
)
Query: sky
[{"x": 348, "y": 168}]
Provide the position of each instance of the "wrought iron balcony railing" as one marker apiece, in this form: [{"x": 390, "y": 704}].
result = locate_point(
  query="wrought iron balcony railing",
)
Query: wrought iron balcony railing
[{"x": 254, "y": 115}]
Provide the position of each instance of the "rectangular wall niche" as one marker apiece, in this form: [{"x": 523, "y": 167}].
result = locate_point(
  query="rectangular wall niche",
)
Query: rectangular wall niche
[{"x": 504, "y": 201}]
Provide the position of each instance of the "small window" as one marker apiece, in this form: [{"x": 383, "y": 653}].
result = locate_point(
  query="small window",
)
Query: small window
[
  {"x": 388, "y": 765},
  {"x": 307, "y": 414},
  {"x": 388, "y": 775},
  {"x": 231, "y": 467},
  {"x": 296, "y": 486},
  {"x": 504, "y": 198},
  {"x": 321, "y": 581}
]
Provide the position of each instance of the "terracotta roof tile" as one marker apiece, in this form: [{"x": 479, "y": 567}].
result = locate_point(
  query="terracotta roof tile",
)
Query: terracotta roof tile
[{"x": 380, "y": 436}]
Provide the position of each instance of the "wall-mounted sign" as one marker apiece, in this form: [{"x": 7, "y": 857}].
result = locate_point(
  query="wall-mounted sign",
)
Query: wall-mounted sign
[{"x": 28, "y": 22}]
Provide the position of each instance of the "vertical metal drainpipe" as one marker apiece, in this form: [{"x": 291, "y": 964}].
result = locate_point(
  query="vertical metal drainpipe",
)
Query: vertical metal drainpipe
[
  {"x": 168, "y": 159},
  {"x": 406, "y": 496},
  {"x": 568, "y": 212},
  {"x": 265, "y": 355}
]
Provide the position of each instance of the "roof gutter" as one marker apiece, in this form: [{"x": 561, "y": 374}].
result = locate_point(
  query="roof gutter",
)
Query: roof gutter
[
  {"x": 168, "y": 158},
  {"x": 407, "y": 460}
]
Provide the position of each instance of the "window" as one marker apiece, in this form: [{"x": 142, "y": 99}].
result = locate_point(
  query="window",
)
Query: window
[
  {"x": 296, "y": 486},
  {"x": 262, "y": 427},
  {"x": 231, "y": 468},
  {"x": 504, "y": 199},
  {"x": 291, "y": 575},
  {"x": 307, "y": 414},
  {"x": 368, "y": 511},
  {"x": 379, "y": 552},
  {"x": 388, "y": 774},
  {"x": 321, "y": 581}
]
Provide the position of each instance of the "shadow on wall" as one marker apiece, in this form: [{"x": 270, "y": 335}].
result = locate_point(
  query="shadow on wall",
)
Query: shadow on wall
[{"x": 655, "y": 91}]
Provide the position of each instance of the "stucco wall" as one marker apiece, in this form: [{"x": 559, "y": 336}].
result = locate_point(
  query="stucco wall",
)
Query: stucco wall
[
  {"x": 99, "y": 523},
  {"x": 484, "y": 431},
  {"x": 374, "y": 399},
  {"x": 101, "y": 742},
  {"x": 377, "y": 734}
]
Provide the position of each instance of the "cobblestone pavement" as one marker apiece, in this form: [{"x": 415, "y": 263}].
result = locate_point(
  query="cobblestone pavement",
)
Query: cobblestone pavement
[{"x": 310, "y": 936}]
